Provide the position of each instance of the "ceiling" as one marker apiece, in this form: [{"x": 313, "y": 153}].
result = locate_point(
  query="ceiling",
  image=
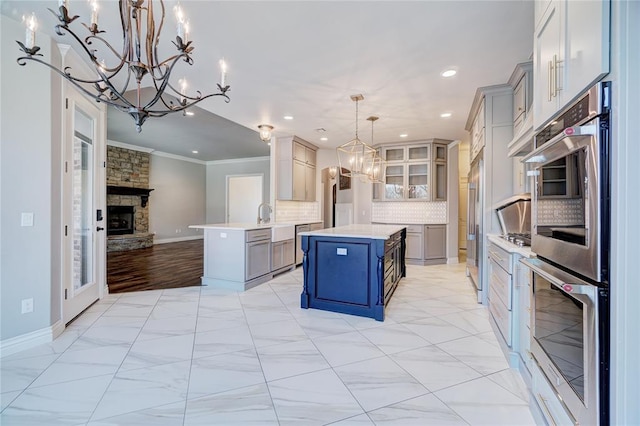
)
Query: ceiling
[{"x": 306, "y": 58}]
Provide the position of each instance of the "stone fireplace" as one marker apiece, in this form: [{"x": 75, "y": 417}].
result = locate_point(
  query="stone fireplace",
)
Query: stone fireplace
[{"x": 127, "y": 199}]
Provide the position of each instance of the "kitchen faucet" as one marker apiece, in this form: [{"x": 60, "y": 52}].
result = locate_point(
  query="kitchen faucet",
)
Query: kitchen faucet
[{"x": 260, "y": 219}]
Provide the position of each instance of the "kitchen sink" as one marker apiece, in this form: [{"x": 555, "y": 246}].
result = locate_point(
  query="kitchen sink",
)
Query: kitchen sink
[{"x": 282, "y": 232}]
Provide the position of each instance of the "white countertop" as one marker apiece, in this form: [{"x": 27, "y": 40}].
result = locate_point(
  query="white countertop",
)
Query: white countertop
[
  {"x": 375, "y": 232},
  {"x": 247, "y": 226},
  {"x": 510, "y": 247}
]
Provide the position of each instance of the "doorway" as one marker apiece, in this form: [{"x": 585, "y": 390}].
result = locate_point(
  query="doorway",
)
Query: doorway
[
  {"x": 84, "y": 206},
  {"x": 244, "y": 195}
]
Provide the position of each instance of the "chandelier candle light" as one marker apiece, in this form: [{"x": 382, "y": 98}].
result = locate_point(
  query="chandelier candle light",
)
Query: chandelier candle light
[
  {"x": 130, "y": 62},
  {"x": 355, "y": 156}
]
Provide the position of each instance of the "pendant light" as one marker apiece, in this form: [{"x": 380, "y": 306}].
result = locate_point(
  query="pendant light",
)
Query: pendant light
[
  {"x": 375, "y": 173},
  {"x": 355, "y": 156}
]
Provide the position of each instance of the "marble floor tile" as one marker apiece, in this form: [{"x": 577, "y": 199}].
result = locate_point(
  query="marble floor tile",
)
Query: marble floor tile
[
  {"x": 250, "y": 406},
  {"x": 290, "y": 359},
  {"x": 312, "y": 399},
  {"x": 74, "y": 365},
  {"x": 166, "y": 327},
  {"x": 7, "y": 398},
  {"x": 166, "y": 350},
  {"x": 435, "y": 330},
  {"x": 482, "y": 402},
  {"x": 18, "y": 374},
  {"x": 477, "y": 354},
  {"x": 365, "y": 379},
  {"x": 165, "y": 415},
  {"x": 425, "y": 410},
  {"x": 394, "y": 338},
  {"x": 222, "y": 341},
  {"x": 333, "y": 348},
  {"x": 469, "y": 321},
  {"x": 136, "y": 390},
  {"x": 317, "y": 325},
  {"x": 67, "y": 403},
  {"x": 224, "y": 372},
  {"x": 434, "y": 368},
  {"x": 205, "y": 356},
  {"x": 275, "y": 333}
]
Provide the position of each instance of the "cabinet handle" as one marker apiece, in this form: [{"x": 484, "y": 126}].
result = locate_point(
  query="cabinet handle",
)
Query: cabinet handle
[
  {"x": 556, "y": 68},
  {"x": 550, "y": 81},
  {"x": 546, "y": 409}
]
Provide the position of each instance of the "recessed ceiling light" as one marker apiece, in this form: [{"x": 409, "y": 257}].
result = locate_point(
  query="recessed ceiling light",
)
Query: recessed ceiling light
[
  {"x": 445, "y": 115},
  {"x": 194, "y": 152},
  {"x": 288, "y": 117},
  {"x": 324, "y": 139},
  {"x": 449, "y": 73},
  {"x": 189, "y": 113},
  {"x": 404, "y": 135}
]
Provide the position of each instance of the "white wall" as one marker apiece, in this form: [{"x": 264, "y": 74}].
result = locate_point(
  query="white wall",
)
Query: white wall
[
  {"x": 30, "y": 128},
  {"x": 178, "y": 199},
  {"x": 216, "y": 175}
]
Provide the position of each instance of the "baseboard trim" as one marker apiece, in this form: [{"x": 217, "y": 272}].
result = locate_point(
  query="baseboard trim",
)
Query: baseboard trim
[
  {"x": 25, "y": 341},
  {"x": 451, "y": 260},
  {"x": 177, "y": 240}
]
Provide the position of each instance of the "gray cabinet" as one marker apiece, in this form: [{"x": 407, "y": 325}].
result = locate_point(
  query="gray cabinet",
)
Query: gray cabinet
[
  {"x": 414, "y": 172},
  {"x": 425, "y": 244},
  {"x": 435, "y": 244},
  {"x": 296, "y": 170},
  {"x": 258, "y": 253},
  {"x": 282, "y": 254}
]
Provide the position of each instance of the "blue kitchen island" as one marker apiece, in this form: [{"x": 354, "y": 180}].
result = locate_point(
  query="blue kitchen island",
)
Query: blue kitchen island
[{"x": 352, "y": 269}]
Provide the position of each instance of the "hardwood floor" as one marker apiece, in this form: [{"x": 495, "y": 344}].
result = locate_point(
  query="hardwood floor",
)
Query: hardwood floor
[{"x": 161, "y": 266}]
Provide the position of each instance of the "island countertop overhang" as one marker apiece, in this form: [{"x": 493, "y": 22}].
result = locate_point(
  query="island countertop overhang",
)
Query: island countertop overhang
[{"x": 374, "y": 232}]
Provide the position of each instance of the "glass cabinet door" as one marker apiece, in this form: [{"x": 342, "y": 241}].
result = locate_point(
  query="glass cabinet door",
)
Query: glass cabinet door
[
  {"x": 418, "y": 153},
  {"x": 394, "y": 181},
  {"x": 418, "y": 181},
  {"x": 394, "y": 154}
]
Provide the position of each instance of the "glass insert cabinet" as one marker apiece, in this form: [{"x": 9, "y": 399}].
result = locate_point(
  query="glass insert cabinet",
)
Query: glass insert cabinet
[{"x": 413, "y": 172}]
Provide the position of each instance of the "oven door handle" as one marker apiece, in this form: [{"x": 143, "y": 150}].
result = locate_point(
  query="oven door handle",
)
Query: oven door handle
[
  {"x": 562, "y": 280},
  {"x": 537, "y": 156}
]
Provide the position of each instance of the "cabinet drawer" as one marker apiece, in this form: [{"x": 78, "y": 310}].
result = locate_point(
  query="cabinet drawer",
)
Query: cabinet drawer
[
  {"x": 500, "y": 284},
  {"x": 551, "y": 407},
  {"x": 415, "y": 228},
  {"x": 502, "y": 317},
  {"x": 501, "y": 257},
  {"x": 258, "y": 234}
]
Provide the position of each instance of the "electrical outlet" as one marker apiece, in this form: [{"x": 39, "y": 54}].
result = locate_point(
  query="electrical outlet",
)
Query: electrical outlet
[{"x": 27, "y": 305}]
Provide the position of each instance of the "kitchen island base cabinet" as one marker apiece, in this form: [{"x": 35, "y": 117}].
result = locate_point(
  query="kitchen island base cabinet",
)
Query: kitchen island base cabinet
[{"x": 354, "y": 276}]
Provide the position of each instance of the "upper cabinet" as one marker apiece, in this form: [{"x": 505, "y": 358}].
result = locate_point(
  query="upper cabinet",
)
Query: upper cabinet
[
  {"x": 414, "y": 172},
  {"x": 296, "y": 172},
  {"x": 477, "y": 132},
  {"x": 522, "y": 82},
  {"x": 571, "y": 52}
]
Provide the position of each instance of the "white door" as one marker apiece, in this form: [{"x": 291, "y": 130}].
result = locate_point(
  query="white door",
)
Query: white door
[
  {"x": 244, "y": 195},
  {"x": 83, "y": 195}
]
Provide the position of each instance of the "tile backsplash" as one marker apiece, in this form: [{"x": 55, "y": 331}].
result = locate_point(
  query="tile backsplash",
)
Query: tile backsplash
[
  {"x": 406, "y": 212},
  {"x": 297, "y": 211},
  {"x": 562, "y": 211}
]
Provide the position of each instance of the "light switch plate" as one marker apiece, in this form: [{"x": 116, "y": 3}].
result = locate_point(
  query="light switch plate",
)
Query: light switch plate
[
  {"x": 341, "y": 251},
  {"x": 26, "y": 219}
]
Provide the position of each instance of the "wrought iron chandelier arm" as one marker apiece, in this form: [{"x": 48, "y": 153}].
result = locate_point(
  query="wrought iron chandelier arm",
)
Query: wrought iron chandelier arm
[
  {"x": 22, "y": 61},
  {"x": 160, "y": 113}
]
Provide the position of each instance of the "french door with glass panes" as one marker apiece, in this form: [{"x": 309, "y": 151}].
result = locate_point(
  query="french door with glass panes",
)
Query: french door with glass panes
[{"x": 83, "y": 204}]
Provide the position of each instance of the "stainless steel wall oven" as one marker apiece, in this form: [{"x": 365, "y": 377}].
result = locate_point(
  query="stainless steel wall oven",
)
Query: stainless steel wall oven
[{"x": 571, "y": 238}]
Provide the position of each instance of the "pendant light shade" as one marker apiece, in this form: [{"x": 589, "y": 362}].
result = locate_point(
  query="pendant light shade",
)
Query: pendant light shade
[
  {"x": 375, "y": 173},
  {"x": 355, "y": 156}
]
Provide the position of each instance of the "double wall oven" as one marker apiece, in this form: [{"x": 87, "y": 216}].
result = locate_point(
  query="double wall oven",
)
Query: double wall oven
[{"x": 571, "y": 237}]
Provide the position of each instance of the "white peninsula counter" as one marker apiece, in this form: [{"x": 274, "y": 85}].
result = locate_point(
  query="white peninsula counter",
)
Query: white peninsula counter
[{"x": 240, "y": 256}]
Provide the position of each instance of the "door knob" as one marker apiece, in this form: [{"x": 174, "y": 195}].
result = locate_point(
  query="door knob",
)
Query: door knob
[{"x": 99, "y": 228}]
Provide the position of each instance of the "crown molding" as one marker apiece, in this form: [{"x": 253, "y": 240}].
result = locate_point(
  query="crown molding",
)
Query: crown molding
[
  {"x": 237, "y": 160},
  {"x": 129, "y": 146},
  {"x": 178, "y": 157}
]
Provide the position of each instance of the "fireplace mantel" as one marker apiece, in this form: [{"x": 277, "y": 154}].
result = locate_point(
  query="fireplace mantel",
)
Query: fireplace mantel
[{"x": 127, "y": 190}]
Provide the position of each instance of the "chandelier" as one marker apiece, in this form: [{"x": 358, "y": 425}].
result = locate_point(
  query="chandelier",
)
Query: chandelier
[
  {"x": 265, "y": 133},
  {"x": 355, "y": 156},
  {"x": 137, "y": 59}
]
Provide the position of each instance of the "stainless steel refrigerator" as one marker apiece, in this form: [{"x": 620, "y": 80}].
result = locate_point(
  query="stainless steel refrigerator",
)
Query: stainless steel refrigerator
[{"x": 474, "y": 223}]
